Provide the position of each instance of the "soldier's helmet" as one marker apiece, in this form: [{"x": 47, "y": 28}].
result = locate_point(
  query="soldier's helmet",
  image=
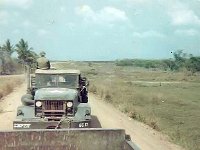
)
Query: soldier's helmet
[
  {"x": 42, "y": 54},
  {"x": 43, "y": 62}
]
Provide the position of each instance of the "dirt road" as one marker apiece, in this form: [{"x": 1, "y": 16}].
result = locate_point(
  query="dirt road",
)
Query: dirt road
[
  {"x": 145, "y": 137},
  {"x": 109, "y": 117},
  {"x": 8, "y": 106}
]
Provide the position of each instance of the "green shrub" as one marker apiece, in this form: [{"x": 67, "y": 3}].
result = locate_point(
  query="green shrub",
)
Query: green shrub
[{"x": 124, "y": 62}]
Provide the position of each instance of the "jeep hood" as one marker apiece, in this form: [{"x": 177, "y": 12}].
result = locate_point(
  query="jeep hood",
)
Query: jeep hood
[{"x": 56, "y": 94}]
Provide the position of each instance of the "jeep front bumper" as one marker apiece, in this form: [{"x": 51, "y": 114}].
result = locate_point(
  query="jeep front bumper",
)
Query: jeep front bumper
[{"x": 18, "y": 125}]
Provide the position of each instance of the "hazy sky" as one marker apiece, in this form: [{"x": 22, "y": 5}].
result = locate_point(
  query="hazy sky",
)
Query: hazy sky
[{"x": 103, "y": 29}]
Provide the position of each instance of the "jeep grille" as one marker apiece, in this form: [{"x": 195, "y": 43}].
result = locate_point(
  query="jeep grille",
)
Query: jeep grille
[
  {"x": 54, "y": 108},
  {"x": 53, "y": 105}
]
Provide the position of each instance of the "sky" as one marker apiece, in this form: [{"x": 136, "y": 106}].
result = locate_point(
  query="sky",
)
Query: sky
[{"x": 103, "y": 29}]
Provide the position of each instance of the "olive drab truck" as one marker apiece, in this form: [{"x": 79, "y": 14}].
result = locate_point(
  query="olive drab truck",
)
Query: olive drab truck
[
  {"x": 55, "y": 99},
  {"x": 55, "y": 115}
]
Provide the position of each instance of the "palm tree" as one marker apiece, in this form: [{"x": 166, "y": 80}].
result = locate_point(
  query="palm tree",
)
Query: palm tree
[
  {"x": 5, "y": 56},
  {"x": 25, "y": 54},
  {"x": 8, "y": 48},
  {"x": 32, "y": 57},
  {"x": 23, "y": 51}
]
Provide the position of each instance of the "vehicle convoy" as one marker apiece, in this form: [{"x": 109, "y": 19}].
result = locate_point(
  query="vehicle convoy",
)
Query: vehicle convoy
[{"x": 55, "y": 115}]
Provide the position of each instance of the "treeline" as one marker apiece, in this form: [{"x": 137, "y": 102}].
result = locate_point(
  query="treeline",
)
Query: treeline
[
  {"x": 180, "y": 61},
  {"x": 25, "y": 56}
]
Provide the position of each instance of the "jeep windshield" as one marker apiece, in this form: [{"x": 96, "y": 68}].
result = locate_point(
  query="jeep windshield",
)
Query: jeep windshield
[{"x": 57, "y": 80}]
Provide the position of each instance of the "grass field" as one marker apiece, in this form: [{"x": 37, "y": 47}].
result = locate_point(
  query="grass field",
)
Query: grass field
[
  {"x": 8, "y": 83},
  {"x": 166, "y": 101}
]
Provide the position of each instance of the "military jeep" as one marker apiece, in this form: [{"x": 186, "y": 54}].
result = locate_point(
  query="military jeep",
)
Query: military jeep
[{"x": 55, "y": 99}]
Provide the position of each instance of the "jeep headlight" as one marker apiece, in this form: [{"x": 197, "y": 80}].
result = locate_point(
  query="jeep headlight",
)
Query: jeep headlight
[
  {"x": 69, "y": 104},
  {"x": 38, "y": 104}
]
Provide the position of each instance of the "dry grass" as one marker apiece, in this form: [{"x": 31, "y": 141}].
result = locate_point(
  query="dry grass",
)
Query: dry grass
[
  {"x": 8, "y": 83},
  {"x": 168, "y": 102}
]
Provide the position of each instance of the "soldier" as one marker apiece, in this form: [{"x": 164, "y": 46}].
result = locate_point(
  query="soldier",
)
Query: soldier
[{"x": 43, "y": 62}]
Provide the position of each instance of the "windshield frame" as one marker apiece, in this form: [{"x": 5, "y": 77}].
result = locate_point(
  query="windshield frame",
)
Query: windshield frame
[{"x": 57, "y": 80}]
